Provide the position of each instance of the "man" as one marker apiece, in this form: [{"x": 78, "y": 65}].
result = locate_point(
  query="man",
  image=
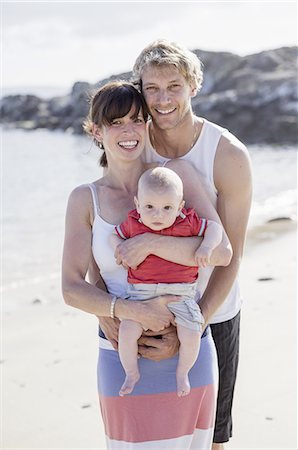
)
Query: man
[{"x": 169, "y": 76}]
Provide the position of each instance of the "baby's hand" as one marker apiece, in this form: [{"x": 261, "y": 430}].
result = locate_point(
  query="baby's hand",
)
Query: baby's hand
[{"x": 202, "y": 256}]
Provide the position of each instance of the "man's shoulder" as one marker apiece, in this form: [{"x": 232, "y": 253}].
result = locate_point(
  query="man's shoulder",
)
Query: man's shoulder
[
  {"x": 228, "y": 141},
  {"x": 232, "y": 162},
  {"x": 230, "y": 147}
]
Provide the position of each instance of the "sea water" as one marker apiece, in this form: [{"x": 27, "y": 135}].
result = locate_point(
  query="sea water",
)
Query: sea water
[{"x": 39, "y": 170}]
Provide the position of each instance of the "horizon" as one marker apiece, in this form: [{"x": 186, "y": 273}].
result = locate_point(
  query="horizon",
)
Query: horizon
[{"x": 63, "y": 90}]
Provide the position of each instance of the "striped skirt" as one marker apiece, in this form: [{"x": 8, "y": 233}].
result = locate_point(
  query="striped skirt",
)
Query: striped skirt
[{"x": 153, "y": 417}]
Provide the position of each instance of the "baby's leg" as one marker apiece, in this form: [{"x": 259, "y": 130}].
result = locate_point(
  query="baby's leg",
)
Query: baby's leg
[
  {"x": 129, "y": 333},
  {"x": 188, "y": 353}
]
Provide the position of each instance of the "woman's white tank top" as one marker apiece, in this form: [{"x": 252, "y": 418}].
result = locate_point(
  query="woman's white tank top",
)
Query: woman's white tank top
[
  {"x": 114, "y": 276},
  {"x": 202, "y": 156}
]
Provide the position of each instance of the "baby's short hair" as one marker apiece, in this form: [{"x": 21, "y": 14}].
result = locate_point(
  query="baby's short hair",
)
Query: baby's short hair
[{"x": 160, "y": 179}]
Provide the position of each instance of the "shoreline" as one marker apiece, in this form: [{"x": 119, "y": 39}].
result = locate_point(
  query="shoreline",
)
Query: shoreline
[{"x": 50, "y": 352}]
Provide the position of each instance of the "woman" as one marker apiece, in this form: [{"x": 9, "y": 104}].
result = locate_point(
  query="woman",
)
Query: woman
[{"x": 153, "y": 416}]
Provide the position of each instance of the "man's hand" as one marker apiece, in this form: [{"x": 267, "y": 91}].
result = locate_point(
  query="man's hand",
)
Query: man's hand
[
  {"x": 133, "y": 251},
  {"x": 110, "y": 327},
  {"x": 159, "y": 348}
]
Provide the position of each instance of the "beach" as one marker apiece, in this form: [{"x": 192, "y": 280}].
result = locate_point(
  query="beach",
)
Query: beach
[
  {"x": 49, "y": 350},
  {"x": 49, "y": 395}
]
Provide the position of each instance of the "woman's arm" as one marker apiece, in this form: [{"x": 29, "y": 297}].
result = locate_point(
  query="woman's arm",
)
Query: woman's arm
[
  {"x": 77, "y": 255},
  {"x": 109, "y": 326}
]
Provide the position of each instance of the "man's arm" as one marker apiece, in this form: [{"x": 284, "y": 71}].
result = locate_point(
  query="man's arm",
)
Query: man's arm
[
  {"x": 233, "y": 178},
  {"x": 234, "y": 183}
]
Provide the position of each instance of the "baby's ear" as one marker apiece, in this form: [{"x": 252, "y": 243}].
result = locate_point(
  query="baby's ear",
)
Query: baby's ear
[
  {"x": 180, "y": 207},
  {"x": 136, "y": 203}
]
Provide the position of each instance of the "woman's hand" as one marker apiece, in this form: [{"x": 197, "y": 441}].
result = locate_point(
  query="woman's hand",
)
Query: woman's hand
[
  {"x": 154, "y": 314},
  {"x": 110, "y": 327},
  {"x": 166, "y": 345}
]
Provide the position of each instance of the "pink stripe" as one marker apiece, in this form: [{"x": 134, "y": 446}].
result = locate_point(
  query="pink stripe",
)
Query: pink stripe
[{"x": 159, "y": 416}]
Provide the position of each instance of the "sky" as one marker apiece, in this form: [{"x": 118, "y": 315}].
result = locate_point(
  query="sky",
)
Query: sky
[{"x": 59, "y": 43}]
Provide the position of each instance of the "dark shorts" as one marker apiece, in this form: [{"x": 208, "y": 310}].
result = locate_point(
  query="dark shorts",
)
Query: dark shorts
[{"x": 226, "y": 338}]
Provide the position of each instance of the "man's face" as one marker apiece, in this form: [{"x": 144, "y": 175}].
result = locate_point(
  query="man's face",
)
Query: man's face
[{"x": 168, "y": 95}]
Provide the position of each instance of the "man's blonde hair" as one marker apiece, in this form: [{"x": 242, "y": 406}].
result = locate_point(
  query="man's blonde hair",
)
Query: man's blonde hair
[{"x": 162, "y": 52}]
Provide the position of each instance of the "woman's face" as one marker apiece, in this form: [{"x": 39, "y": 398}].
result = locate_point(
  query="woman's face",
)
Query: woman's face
[{"x": 124, "y": 138}]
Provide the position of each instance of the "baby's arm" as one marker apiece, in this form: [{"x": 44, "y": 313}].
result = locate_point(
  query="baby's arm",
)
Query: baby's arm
[{"x": 212, "y": 238}]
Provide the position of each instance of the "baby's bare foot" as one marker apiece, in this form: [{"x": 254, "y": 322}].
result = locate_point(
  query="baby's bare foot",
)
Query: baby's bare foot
[
  {"x": 129, "y": 384},
  {"x": 183, "y": 386}
]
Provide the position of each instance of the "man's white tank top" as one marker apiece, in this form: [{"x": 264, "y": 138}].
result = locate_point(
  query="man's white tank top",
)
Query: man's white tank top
[{"x": 202, "y": 156}]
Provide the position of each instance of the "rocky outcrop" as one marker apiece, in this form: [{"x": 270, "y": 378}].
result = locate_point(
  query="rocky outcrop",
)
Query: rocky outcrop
[{"x": 255, "y": 97}]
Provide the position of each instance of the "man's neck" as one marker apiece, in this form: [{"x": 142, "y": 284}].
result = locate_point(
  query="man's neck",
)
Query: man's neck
[{"x": 176, "y": 142}]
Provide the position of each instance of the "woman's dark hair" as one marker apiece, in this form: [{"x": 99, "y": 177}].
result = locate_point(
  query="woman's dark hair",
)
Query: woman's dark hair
[{"x": 113, "y": 100}]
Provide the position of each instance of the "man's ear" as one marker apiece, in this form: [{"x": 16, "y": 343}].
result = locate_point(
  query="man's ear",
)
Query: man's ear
[
  {"x": 137, "y": 204},
  {"x": 193, "y": 90},
  {"x": 97, "y": 133}
]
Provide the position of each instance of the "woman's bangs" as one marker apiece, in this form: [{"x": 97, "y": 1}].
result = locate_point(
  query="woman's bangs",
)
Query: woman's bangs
[{"x": 120, "y": 105}]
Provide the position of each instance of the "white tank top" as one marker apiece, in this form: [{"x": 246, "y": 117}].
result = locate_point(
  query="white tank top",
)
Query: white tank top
[
  {"x": 202, "y": 156},
  {"x": 114, "y": 276}
]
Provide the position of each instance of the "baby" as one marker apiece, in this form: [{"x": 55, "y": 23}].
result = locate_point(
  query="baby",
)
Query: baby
[{"x": 160, "y": 209}]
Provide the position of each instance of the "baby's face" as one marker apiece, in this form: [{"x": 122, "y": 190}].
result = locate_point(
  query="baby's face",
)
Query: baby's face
[{"x": 158, "y": 210}]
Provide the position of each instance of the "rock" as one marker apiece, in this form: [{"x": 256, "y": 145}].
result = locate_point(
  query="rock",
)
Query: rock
[
  {"x": 280, "y": 219},
  {"x": 37, "y": 301},
  {"x": 19, "y": 107},
  {"x": 255, "y": 97},
  {"x": 80, "y": 88}
]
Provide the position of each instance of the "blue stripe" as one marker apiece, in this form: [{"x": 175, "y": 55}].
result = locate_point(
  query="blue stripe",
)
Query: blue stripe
[{"x": 156, "y": 377}]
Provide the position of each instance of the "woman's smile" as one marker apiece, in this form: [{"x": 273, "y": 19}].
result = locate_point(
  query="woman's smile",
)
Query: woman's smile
[{"x": 128, "y": 145}]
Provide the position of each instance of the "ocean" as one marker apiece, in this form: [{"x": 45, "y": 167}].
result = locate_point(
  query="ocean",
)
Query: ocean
[{"x": 39, "y": 170}]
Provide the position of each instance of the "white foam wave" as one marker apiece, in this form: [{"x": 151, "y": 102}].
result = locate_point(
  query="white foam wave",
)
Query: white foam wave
[
  {"x": 29, "y": 281},
  {"x": 283, "y": 204}
]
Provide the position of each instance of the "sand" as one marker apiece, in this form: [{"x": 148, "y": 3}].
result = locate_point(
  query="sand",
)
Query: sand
[{"x": 49, "y": 351}]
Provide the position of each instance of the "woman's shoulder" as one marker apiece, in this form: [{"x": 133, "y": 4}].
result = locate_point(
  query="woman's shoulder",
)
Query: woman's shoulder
[
  {"x": 80, "y": 191},
  {"x": 81, "y": 196},
  {"x": 84, "y": 189}
]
